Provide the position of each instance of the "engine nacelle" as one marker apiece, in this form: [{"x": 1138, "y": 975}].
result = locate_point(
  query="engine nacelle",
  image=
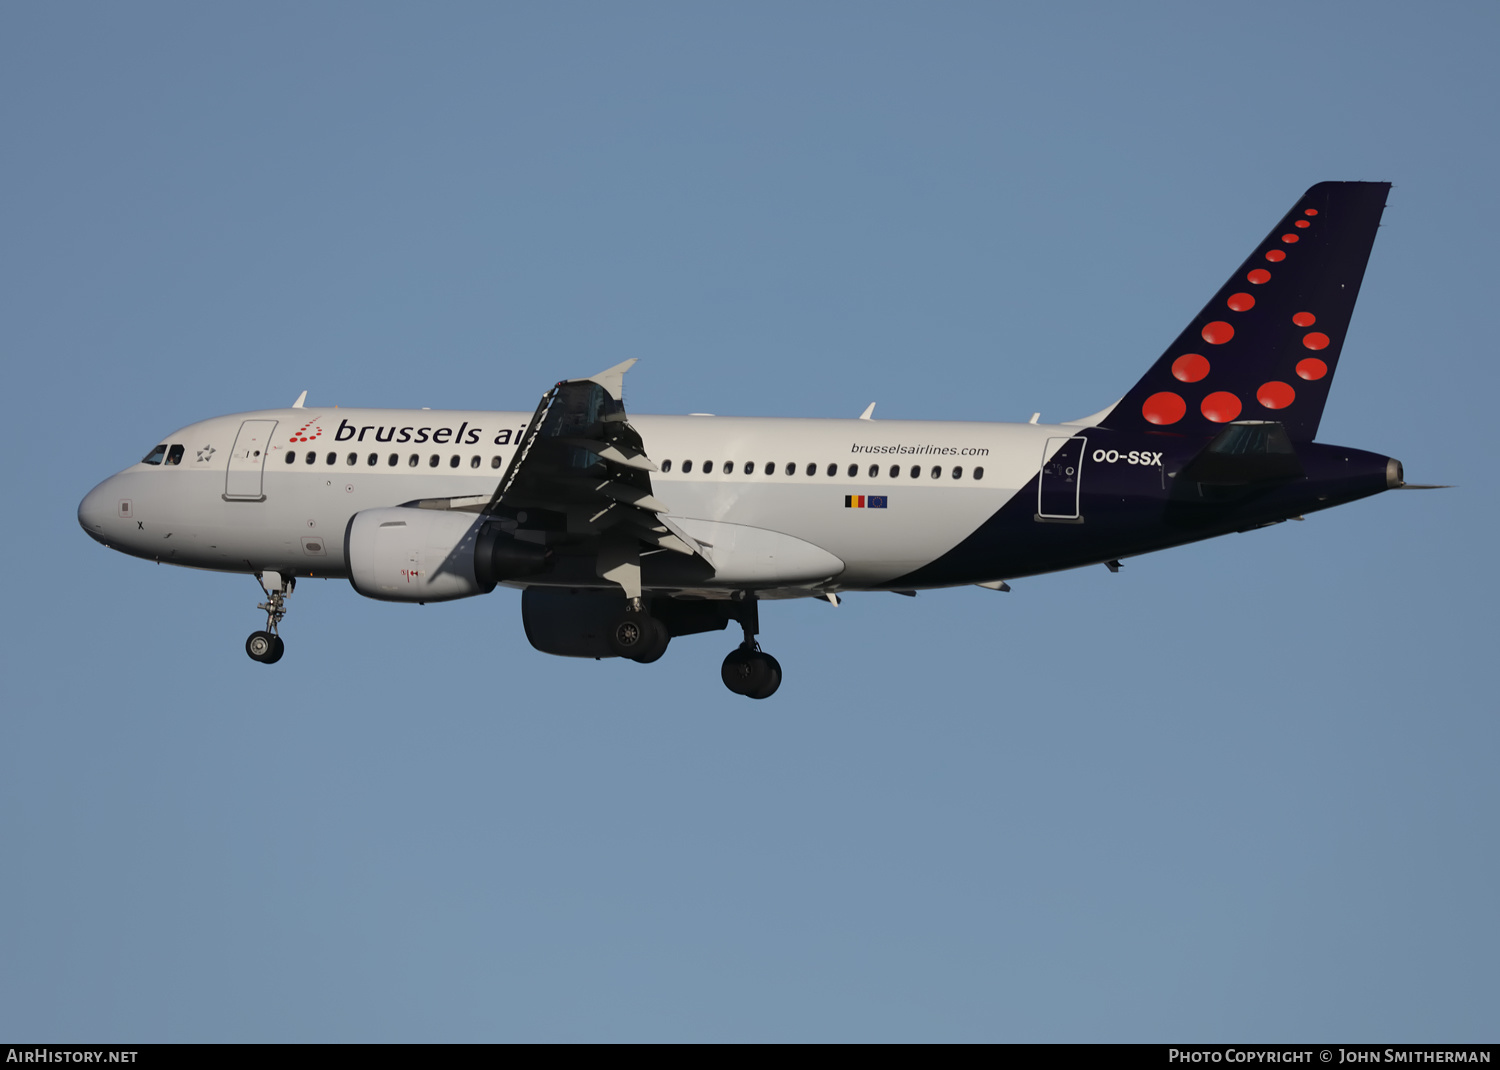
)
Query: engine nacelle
[
  {"x": 574, "y": 623},
  {"x": 405, "y": 554},
  {"x": 570, "y": 623}
]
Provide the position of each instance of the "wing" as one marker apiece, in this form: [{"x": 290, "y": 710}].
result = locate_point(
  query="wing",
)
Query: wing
[{"x": 581, "y": 472}]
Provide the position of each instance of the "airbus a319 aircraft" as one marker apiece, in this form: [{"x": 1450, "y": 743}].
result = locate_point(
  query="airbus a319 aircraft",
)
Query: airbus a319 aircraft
[{"x": 624, "y": 531}]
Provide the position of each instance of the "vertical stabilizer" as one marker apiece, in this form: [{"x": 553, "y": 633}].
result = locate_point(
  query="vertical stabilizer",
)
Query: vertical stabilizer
[{"x": 1267, "y": 345}]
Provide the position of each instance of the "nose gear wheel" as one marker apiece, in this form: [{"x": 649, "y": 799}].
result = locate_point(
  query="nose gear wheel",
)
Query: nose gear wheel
[{"x": 265, "y": 647}]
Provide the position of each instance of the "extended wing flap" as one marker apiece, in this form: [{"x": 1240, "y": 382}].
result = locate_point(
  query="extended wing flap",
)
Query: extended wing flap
[{"x": 581, "y": 461}]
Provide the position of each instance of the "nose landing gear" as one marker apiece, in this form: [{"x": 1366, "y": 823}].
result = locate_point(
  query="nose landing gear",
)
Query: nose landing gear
[{"x": 266, "y": 646}]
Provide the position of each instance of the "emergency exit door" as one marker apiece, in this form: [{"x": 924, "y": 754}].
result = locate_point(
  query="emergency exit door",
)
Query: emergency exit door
[{"x": 1060, "y": 484}]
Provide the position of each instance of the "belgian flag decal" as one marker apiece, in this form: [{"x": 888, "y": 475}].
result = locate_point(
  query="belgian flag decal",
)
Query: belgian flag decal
[{"x": 864, "y": 501}]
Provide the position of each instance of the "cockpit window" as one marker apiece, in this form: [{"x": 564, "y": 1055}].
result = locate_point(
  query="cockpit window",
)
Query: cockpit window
[
  {"x": 174, "y": 455},
  {"x": 155, "y": 456}
]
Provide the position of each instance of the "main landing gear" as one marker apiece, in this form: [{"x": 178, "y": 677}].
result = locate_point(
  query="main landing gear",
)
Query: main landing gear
[
  {"x": 266, "y": 647},
  {"x": 748, "y": 670},
  {"x": 638, "y": 635},
  {"x": 752, "y": 672}
]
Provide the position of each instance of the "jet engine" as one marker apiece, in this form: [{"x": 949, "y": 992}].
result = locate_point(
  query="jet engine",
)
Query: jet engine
[
  {"x": 570, "y": 623},
  {"x": 575, "y": 623},
  {"x": 408, "y": 554}
]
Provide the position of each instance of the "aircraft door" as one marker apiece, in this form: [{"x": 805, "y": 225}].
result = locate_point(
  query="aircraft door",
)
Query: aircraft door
[
  {"x": 247, "y": 461},
  {"x": 1060, "y": 482}
]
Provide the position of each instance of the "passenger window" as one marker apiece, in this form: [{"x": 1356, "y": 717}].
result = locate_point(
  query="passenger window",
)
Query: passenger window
[
  {"x": 453, "y": 463},
  {"x": 291, "y": 457},
  {"x": 687, "y": 466},
  {"x": 979, "y": 473},
  {"x": 155, "y": 456},
  {"x": 708, "y": 468},
  {"x": 791, "y": 468},
  {"x": 352, "y": 460},
  {"x": 494, "y": 462},
  {"x": 916, "y": 471},
  {"x": 770, "y": 468},
  {"x": 729, "y": 468},
  {"x": 749, "y": 468},
  {"x": 412, "y": 461},
  {"x": 812, "y": 468},
  {"x": 390, "y": 461},
  {"x": 332, "y": 458},
  {"x": 874, "y": 471},
  {"x": 312, "y": 458},
  {"x": 432, "y": 462},
  {"x": 833, "y": 470},
  {"x": 937, "y": 471},
  {"x": 174, "y": 455},
  {"x": 474, "y": 463},
  {"x": 853, "y": 470},
  {"x": 666, "y": 466},
  {"x": 373, "y": 459},
  {"x": 895, "y": 471}
]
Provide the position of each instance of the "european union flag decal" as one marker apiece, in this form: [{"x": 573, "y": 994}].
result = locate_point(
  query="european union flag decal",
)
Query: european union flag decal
[{"x": 864, "y": 501}]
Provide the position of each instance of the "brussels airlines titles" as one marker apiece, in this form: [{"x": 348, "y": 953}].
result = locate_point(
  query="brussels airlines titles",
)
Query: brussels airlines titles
[{"x": 464, "y": 436}]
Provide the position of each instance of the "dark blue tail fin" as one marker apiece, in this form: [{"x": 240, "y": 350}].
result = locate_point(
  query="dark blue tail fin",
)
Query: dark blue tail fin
[{"x": 1267, "y": 345}]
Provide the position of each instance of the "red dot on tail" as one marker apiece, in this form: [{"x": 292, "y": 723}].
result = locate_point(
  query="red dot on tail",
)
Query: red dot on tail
[
  {"x": 1241, "y": 302},
  {"x": 1275, "y": 256},
  {"x": 1217, "y": 333},
  {"x": 1315, "y": 340},
  {"x": 1221, "y": 406},
  {"x": 1275, "y": 395},
  {"x": 1302, "y": 223},
  {"x": 1259, "y": 275},
  {"x": 1164, "y": 408},
  {"x": 1311, "y": 368},
  {"x": 1190, "y": 367},
  {"x": 1290, "y": 239},
  {"x": 1304, "y": 319},
  {"x": 1311, "y": 211}
]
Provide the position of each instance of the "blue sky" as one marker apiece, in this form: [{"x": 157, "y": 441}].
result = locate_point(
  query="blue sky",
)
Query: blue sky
[{"x": 1239, "y": 791}]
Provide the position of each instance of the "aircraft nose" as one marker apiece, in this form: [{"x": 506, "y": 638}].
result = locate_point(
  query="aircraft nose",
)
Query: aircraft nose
[{"x": 94, "y": 510}]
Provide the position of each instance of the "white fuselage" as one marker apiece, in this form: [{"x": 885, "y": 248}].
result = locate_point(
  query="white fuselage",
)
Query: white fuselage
[{"x": 236, "y": 502}]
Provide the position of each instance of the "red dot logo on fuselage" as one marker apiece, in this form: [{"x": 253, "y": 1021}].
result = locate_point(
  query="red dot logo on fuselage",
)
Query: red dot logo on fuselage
[{"x": 301, "y": 435}]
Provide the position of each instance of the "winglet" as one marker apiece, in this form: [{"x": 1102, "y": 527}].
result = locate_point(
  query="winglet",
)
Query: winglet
[
  {"x": 613, "y": 379},
  {"x": 869, "y": 413},
  {"x": 300, "y": 399}
]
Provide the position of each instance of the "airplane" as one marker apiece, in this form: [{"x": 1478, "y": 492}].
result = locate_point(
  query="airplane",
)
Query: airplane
[{"x": 624, "y": 532}]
